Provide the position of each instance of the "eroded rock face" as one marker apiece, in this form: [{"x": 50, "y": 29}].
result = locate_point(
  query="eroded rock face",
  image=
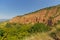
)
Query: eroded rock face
[{"x": 40, "y": 16}]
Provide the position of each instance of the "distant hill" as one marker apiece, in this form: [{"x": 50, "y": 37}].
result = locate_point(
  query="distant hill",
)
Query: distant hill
[
  {"x": 40, "y": 16},
  {"x": 2, "y": 20}
]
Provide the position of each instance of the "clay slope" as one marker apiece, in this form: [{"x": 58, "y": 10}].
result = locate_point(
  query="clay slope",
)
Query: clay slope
[{"x": 40, "y": 16}]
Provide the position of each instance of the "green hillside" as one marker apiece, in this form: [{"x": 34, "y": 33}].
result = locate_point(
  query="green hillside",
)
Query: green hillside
[{"x": 38, "y": 31}]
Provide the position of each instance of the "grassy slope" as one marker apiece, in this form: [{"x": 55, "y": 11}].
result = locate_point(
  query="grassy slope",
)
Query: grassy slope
[{"x": 38, "y": 31}]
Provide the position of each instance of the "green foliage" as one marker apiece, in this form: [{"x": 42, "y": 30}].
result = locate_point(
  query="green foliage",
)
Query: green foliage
[
  {"x": 58, "y": 21},
  {"x": 52, "y": 34},
  {"x": 2, "y": 32},
  {"x": 7, "y": 25},
  {"x": 39, "y": 27},
  {"x": 58, "y": 29},
  {"x": 19, "y": 31}
]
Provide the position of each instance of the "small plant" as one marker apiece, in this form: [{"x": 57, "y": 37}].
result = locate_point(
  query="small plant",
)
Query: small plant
[
  {"x": 58, "y": 21},
  {"x": 7, "y": 25}
]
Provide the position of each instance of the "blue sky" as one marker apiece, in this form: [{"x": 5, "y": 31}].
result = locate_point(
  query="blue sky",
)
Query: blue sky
[{"x": 11, "y": 8}]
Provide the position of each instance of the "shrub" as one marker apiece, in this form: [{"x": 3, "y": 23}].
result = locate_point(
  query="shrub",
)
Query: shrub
[
  {"x": 7, "y": 25},
  {"x": 58, "y": 21},
  {"x": 2, "y": 32},
  {"x": 39, "y": 27}
]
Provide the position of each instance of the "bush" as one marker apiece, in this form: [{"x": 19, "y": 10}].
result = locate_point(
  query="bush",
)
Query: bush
[
  {"x": 39, "y": 27},
  {"x": 58, "y": 21},
  {"x": 18, "y": 31},
  {"x": 2, "y": 32},
  {"x": 8, "y": 25}
]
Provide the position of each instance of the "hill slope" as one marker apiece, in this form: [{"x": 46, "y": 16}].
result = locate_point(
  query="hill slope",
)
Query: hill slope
[
  {"x": 40, "y": 16},
  {"x": 22, "y": 28}
]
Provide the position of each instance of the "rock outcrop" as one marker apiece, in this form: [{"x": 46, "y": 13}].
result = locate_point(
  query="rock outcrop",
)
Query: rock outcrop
[{"x": 40, "y": 16}]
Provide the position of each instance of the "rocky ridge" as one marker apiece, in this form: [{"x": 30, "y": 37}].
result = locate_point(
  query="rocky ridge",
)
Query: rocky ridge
[{"x": 49, "y": 15}]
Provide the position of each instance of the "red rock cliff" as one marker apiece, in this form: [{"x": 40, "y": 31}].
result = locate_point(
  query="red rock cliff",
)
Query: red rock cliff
[{"x": 40, "y": 16}]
